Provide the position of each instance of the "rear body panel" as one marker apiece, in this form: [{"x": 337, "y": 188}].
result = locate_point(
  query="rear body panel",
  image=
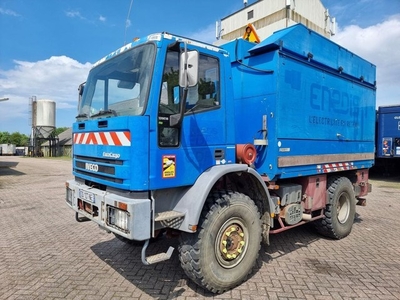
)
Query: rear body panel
[{"x": 319, "y": 111}]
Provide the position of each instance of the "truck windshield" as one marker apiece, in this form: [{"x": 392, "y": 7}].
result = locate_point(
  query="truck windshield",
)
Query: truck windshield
[{"x": 119, "y": 86}]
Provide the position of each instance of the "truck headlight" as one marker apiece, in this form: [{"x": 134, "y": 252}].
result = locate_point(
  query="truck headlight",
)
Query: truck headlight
[
  {"x": 118, "y": 218},
  {"x": 68, "y": 195}
]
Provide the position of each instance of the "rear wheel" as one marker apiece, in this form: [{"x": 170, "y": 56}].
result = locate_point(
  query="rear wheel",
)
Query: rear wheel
[
  {"x": 340, "y": 210},
  {"x": 222, "y": 253}
]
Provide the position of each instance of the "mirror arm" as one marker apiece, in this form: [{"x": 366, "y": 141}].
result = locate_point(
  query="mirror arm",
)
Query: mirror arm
[
  {"x": 176, "y": 119},
  {"x": 80, "y": 93},
  {"x": 185, "y": 63}
]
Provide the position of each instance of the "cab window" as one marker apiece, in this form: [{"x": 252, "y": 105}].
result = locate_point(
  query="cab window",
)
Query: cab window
[
  {"x": 202, "y": 97},
  {"x": 205, "y": 95}
]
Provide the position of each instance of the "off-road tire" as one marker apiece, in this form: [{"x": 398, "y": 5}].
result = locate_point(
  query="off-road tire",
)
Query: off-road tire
[
  {"x": 340, "y": 210},
  {"x": 225, "y": 248}
]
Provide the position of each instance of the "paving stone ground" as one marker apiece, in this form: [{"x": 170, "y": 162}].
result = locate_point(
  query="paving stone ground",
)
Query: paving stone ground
[{"x": 46, "y": 254}]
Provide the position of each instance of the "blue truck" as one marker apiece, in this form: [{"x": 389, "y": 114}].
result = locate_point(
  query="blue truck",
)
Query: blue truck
[
  {"x": 388, "y": 132},
  {"x": 388, "y": 139},
  {"x": 223, "y": 146}
]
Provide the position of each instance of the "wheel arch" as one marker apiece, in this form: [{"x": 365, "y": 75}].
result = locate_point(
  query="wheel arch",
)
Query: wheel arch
[{"x": 236, "y": 177}]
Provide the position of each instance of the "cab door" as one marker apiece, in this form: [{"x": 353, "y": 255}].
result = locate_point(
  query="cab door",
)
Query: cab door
[{"x": 187, "y": 149}]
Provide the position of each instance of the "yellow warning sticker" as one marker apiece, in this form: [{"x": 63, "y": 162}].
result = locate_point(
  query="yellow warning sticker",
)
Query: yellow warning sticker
[
  {"x": 251, "y": 34},
  {"x": 169, "y": 166}
]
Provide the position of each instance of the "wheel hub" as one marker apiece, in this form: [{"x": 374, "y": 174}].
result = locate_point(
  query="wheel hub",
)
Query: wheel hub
[
  {"x": 343, "y": 208},
  {"x": 232, "y": 242}
]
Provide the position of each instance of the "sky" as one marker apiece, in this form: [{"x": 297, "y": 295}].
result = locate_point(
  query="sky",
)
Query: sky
[{"x": 47, "y": 47}]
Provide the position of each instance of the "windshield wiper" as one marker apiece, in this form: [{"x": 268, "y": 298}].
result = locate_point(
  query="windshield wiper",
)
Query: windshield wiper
[
  {"x": 82, "y": 116},
  {"x": 105, "y": 112}
]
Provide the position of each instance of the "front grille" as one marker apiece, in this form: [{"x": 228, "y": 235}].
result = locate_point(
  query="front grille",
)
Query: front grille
[
  {"x": 99, "y": 160},
  {"x": 100, "y": 168},
  {"x": 110, "y": 179}
]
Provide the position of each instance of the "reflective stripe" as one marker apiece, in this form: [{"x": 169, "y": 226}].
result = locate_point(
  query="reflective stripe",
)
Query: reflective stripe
[
  {"x": 327, "y": 168},
  {"x": 110, "y": 138}
]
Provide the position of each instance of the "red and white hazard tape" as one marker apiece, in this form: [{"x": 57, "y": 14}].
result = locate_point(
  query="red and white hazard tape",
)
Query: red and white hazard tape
[
  {"x": 327, "y": 168},
  {"x": 110, "y": 138}
]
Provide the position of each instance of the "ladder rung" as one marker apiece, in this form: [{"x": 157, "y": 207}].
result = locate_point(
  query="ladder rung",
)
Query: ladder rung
[
  {"x": 160, "y": 256},
  {"x": 168, "y": 215}
]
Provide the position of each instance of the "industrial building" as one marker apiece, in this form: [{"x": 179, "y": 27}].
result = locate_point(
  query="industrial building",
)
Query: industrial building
[
  {"x": 268, "y": 16},
  {"x": 63, "y": 147}
]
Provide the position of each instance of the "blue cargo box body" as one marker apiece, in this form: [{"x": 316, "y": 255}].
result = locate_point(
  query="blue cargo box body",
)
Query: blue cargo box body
[
  {"x": 388, "y": 140},
  {"x": 317, "y": 97}
]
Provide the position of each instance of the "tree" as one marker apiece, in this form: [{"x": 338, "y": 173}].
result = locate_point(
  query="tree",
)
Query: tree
[
  {"x": 4, "y": 137},
  {"x": 16, "y": 138},
  {"x": 20, "y": 139},
  {"x": 59, "y": 130}
]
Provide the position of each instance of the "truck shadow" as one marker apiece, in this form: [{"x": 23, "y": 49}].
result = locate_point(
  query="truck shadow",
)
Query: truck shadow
[
  {"x": 166, "y": 280},
  {"x": 8, "y": 164},
  {"x": 296, "y": 238},
  {"x": 6, "y": 169},
  {"x": 390, "y": 183},
  {"x": 289, "y": 241}
]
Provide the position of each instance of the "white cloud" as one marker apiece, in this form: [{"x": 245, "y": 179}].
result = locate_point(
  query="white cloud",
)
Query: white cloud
[
  {"x": 56, "y": 78},
  {"x": 74, "y": 14},
  {"x": 378, "y": 44},
  {"x": 8, "y": 12},
  {"x": 206, "y": 35}
]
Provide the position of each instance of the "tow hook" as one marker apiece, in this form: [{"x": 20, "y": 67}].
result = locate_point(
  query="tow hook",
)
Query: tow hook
[
  {"x": 81, "y": 219},
  {"x": 362, "y": 201}
]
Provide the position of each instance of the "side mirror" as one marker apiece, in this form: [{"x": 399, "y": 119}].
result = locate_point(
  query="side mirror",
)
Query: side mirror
[
  {"x": 80, "y": 93},
  {"x": 189, "y": 69}
]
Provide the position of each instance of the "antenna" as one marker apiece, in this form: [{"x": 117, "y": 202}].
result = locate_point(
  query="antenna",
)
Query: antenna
[
  {"x": 333, "y": 26},
  {"x": 127, "y": 20},
  {"x": 218, "y": 30}
]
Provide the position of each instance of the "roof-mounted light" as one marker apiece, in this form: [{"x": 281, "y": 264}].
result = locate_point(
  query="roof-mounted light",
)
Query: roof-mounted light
[{"x": 154, "y": 37}]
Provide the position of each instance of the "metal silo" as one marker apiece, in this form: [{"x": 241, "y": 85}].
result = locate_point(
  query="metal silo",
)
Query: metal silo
[
  {"x": 43, "y": 141},
  {"x": 43, "y": 117}
]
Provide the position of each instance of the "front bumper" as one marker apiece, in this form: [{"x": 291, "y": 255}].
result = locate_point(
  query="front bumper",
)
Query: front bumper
[{"x": 128, "y": 217}]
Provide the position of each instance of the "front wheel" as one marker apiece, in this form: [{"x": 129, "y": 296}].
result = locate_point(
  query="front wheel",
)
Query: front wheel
[
  {"x": 340, "y": 210},
  {"x": 224, "y": 250}
]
